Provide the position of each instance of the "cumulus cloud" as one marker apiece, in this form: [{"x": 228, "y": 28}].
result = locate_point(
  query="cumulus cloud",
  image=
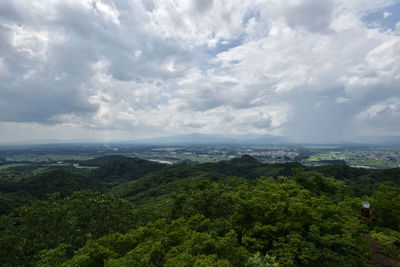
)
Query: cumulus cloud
[
  {"x": 311, "y": 70},
  {"x": 313, "y": 15}
]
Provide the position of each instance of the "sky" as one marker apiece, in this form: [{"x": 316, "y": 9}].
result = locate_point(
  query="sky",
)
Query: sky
[{"x": 309, "y": 70}]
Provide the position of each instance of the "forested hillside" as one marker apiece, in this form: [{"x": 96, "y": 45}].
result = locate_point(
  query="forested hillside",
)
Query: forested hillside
[{"x": 123, "y": 211}]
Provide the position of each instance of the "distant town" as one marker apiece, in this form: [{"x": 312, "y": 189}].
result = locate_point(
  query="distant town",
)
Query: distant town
[{"x": 375, "y": 157}]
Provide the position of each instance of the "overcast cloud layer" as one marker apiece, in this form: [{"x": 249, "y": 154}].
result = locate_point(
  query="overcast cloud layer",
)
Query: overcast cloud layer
[{"x": 312, "y": 70}]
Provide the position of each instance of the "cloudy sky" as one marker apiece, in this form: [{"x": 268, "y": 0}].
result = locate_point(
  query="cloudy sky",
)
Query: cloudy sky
[{"x": 312, "y": 70}]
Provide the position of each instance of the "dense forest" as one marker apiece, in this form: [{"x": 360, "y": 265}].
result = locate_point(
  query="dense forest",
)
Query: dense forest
[{"x": 123, "y": 211}]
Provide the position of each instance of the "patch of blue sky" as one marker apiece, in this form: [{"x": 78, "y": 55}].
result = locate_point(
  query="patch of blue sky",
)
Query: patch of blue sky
[
  {"x": 162, "y": 100},
  {"x": 171, "y": 87},
  {"x": 251, "y": 14},
  {"x": 386, "y": 18},
  {"x": 225, "y": 45},
  {"x": 212, "y": 52}
]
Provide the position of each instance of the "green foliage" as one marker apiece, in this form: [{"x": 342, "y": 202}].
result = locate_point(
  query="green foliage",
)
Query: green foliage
[
  {"x": 28, "y": 184},
  {"x": 205, "y": 197},
  {"x": 204, "y": 215},
  {"x": 390, "y": 239},
  {"x": 295, "y": 226},
  {"x": 298, "y": 228},
  {"x": 363, "y": 181},
  {"x": 179, "y": 243},
  {"x": 386, "y": 206},
  {"x": 117, "y": 169},
  {"x": 162, "y": 182},
  {"x": 54, "y": 257},
  {"x": 99, "y": 161},
  {"x": 249, "y": 167},
  {"x": 316, "y": 182},
  {"x": 40, "y": 185},
  {"x": 73, "y": 220},
  {"x": 257, "y": 260},
  {"x": 10, "y": 201},
  {"x": 92, "y": 254}
]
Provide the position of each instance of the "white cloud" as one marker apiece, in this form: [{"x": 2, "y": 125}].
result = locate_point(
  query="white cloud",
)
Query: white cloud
[
  {"x": 109, "y": 12},
  {"x": 383, "y": 117},
  {"x": 30, "y": 41},
  {"x": 341, "y": 100},
  {"x": 386, "y": 14},
  {"x": 375, "y": 110},
  {"x": 199, "y": 23},
  {"x": 308, "y": 69}
]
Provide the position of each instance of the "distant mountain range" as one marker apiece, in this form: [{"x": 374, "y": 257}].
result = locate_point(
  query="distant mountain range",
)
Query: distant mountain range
[{"x": 196, "y": 138}]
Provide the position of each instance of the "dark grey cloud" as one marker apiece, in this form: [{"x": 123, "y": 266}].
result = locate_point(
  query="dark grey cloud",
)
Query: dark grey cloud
[
  {"x": 43, "y": 105},
  {"x": 35, "y": 91},
  {"x": 386, "y": 122},
  {"x": 313, "y": 15},
  {"x": 202, "y": 5},
  {"x": 148, "y": 4},
  {"x": 326, "y": 116},
  {"x": 204, "y": 94},
  {"x": 316, "y": 117},
  {"x": 261, "y": 123},
  {"x": 47, "y": 78},
  {"x": 9, "y": 12}
]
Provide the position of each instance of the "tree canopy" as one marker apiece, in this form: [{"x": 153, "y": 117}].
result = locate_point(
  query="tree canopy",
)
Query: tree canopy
[{"x": 234, "y": 213}]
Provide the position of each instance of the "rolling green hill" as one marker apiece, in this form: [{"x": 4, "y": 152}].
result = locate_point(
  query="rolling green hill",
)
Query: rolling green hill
[{"x": 232, "y": 213}]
